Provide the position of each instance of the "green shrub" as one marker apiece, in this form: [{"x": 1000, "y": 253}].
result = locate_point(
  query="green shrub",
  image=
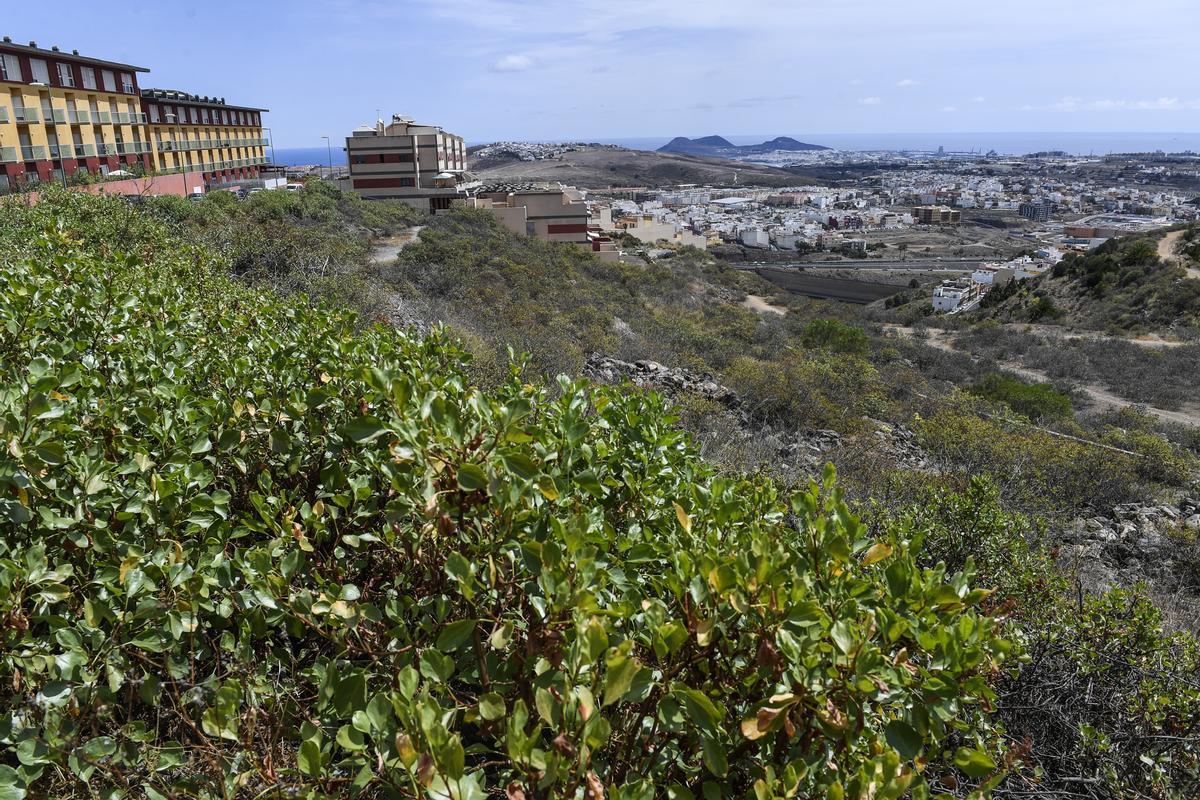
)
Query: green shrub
[
  {"x": 830, "y": 334},
  {"x": 1037, "y": 401},
  {"x": 254, "y": 550}
]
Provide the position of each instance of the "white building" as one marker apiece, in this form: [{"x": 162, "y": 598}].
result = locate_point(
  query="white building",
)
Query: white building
[{"x": 950, "y": 296}]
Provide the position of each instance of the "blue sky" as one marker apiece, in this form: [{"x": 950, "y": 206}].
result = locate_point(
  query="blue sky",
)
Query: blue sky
[{"x": 593, "y": 69}]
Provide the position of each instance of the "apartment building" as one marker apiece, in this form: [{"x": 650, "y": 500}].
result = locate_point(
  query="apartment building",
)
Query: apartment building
[
  {"x": 936, "y": 215},
  {"x": 421, "y": 165},
  {"x": 63, "y": 113},
  {"x": 190, "y": 133}
]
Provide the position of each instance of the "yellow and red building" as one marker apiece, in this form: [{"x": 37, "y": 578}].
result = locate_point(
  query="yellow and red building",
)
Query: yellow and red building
[{"x": 62, "y": 113}]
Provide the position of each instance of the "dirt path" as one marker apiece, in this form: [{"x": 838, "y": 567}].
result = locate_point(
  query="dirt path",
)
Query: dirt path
[
  {"x": 1101, "y": 397},
  {"x": 760, "y": 304},
  {"x": 388, "y": 248},
  {"x": 1104, "y": 399},
  {"x": 1168, "y": 251}
]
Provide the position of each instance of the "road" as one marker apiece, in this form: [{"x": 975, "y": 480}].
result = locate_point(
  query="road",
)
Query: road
[
  {"x": 388, "y": 249},
  {"x": 921, "y": 265},
  {"x": 1168, "y": 251},
  {"x": 1101, "y": 397},
  {"x": 826, "y": 288}
]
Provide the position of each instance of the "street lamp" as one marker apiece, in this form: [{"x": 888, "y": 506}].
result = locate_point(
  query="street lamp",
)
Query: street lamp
[{"x": 329, "y": 154}]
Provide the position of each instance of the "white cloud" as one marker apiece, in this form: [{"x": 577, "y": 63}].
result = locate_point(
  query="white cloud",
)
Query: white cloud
[
  {"x": 513, "y": 63},
  {"x": 906, "y": 83},
  {"x": 980, "y": 99},
  {"x": 949, "y": 109},
  {"x": 1071, "y": 104},
  {"x": 870, "y": 101},
  {"x": 856, "y": 81}
]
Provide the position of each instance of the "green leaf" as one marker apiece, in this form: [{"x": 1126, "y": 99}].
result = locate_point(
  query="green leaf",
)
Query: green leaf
[
  {"x": 436, "y": 666},
  {"x": 350, "y": 738},
  {"x": 843, "y": 636},
  {"x": 351, "y": 693},
  {"x": 309, "y": 758},
  {"x": 364, "y": 429},
  {"x": 903, "y": 738},
  {"x": 491, "y": 706},
  {"x": 975, "y": 763},
  {"x": 713, "y": 753},
  {"x": 620, "y": 671},
  {"x": 521, "y": 465},
  {"x": 456, "y": 634},
  {"x": 471, "y": 477}
]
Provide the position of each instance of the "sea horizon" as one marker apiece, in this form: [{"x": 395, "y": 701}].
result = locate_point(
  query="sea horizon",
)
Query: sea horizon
[{"x": 1003, "y": 143}]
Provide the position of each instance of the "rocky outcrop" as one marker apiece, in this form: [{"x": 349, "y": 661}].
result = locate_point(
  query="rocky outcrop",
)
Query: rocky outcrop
[
  {"x": 803, "y": 451},
  {"x": 1157, "y": 543},
  {"x": 652, "y": 375}
]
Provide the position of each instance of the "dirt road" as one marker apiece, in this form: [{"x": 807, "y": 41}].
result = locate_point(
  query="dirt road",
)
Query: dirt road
[
  {"x": 760, "y": 304},
  {"x": 1168, "y": 251},
  {"x": 1100, "y": 397},
  {"x": 388, "y": 249}
]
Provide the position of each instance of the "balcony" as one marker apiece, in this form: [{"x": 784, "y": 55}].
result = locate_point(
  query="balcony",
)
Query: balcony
[
  {"x": 59, "y": 116},
  {"x": 105, "y": 149},
  {"x": 85, "y": 151},
  {"x": 3, "y": 114},
  {"x": 8, "y": 155},
  {"x": 103, "y": 118},
  {"x": 78, "y": 117},
  {"x": 62, "y": 151},
  {"x": 24, "y": 116},
  {"x": 33, "y": 152}
]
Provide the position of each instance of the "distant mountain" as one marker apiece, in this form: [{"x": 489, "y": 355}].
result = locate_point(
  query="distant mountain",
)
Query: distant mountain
[{"x": 723, "y": 148}]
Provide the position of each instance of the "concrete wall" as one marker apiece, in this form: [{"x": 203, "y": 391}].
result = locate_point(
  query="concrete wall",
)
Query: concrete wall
[{"x": 178, "y": 185}]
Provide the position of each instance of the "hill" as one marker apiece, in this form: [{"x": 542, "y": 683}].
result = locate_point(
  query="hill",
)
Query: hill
[
  {"x": 719, "y": 147},
  {"x": 599, "y": 167},
  {"x": 1139, "y": 284},
  {"x": 256, "y": 546}
]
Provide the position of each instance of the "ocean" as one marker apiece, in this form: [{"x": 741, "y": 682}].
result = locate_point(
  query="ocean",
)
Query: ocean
[
  {"x": 299, "y": 156},
  {"x": 1006, "y": 143}
]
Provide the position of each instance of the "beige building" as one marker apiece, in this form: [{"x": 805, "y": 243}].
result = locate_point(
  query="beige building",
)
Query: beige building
[
  {"x": 650, "y": 230},
  {"x": 419, "y": 164},
  {"x": 553, "y": 214}
]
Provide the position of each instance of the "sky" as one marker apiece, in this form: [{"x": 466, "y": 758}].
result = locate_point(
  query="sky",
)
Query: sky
[{"x": 554, "y": 70}]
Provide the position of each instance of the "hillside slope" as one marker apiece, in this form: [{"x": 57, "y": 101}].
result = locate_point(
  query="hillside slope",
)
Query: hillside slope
[
  {"x": 604, "y": 167},
  {"x": 254, "y": 547},
  {"x": 1124, "y": 286}
]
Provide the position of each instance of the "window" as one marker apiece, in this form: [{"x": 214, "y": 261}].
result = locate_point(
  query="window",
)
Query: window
[
  {"x": 110, "y": 80},
  {"x": 126, "y": 83},
  {"x": 205, "y": 113},
  {"x": 154, "y": 114},
  {"x": 194, "y": 115},
  {"x": 65, "y": 76},
  {"x": 410, "y": 182},
  {"x": 41, "y": 74},
  {"x": 10, "y": 68},
  {"x": 89, "y": 77}
]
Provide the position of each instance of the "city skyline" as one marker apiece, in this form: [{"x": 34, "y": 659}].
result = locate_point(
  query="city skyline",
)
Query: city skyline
[{"x": 497, "y": 69}]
